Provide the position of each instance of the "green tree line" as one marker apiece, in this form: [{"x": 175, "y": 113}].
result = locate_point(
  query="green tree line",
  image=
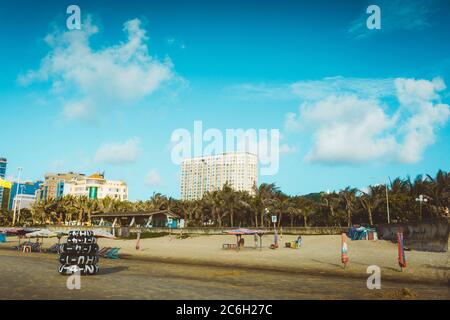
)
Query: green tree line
[{"x": 229, "y": 208}]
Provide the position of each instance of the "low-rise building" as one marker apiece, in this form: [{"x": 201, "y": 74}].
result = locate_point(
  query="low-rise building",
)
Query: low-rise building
[
  {"x": 53, "y": 186},
  {"x": 23, "y": 201},
  {"x": 24, "y": 192},
  {"x": 97, "y": 187}
]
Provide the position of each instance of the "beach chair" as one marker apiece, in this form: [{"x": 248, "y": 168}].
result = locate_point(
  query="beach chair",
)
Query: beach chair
[
  {"x": 228, "y": 246},
  {"x": 102, "y": 252},
  {"x": 113, "y": 253},
  {"x": 54, "y": 248}
]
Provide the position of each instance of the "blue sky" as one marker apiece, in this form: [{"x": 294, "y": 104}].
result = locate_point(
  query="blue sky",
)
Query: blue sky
[{"x": 353, "y": 105}]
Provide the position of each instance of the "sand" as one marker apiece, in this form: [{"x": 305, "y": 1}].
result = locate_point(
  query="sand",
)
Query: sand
[
  {"x": 35, "y": 276},
  {"x": 319, "y": 255}
]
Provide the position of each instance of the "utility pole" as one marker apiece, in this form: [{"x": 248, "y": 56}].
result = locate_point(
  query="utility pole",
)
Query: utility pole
[
  {"x": 19, "y": 169},
  {"x": 387, "y": 204},
  {"x": 20, "y": 202},
  {"x": 387, "y": 198}
]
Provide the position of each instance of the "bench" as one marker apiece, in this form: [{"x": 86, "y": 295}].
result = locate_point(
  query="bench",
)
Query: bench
[{"x": 228, "y": 246}]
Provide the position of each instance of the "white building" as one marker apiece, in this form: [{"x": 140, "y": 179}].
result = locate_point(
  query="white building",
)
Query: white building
[
  {"x": 23, "y": 201},
  {"x": 97, "y": 187},
  {"x": 204, "y": 174}
]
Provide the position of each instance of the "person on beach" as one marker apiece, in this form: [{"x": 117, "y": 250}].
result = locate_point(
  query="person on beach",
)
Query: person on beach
[{"x": 299, "y": 240}]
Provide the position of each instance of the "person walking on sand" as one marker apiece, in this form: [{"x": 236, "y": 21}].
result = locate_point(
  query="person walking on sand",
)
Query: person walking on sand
[{"x": 299, "y": 240}]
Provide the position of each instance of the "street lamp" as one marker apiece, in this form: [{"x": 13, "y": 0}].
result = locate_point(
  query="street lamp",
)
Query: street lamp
[
  {"x": 421, "y": 199},
  {"x": 19, "y": 169}
]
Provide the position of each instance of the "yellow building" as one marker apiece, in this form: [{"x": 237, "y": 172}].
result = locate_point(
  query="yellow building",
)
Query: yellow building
[{"x": 97, "y": 187}]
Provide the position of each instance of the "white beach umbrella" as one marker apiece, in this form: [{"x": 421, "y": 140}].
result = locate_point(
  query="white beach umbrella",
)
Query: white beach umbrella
[
  {"x": 103, "y": 234},
  {"x": 43, "y": 233}
]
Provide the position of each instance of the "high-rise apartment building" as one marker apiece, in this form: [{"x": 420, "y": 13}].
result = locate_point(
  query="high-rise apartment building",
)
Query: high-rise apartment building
[{"x": 204, "y": 174}]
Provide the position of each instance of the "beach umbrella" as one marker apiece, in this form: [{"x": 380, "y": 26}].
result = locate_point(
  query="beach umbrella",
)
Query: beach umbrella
[
  {"x": 43, "y": 233},
  {"x": 103, "y": 234},
  {"x": 13, "y": 231},
  {"x": 344, "y": 250},
  {"x": 401, "y": 251}
]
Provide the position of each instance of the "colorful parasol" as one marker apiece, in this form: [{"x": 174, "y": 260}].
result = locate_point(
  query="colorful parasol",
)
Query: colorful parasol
[
  {"x": 401, "y": 251},
  {"x": 344, "y": 250}
]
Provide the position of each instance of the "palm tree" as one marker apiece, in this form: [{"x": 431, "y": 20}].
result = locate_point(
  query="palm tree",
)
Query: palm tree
[
  {"x": 216, "y": 204},
  {"x": 282, "y": 203},
  {"x": 348, "y": 200},
  {"x": 306, "y": 207},
  {"x": 438, "y": 189},
  {"x": 159, "y": 201},
  {"x": 293, "y": 210},
  {"x": 264, "y": 199},
  {"x": 230, "y": 199},
  {"x": 190, "y": 207},
  {"x": 331, "y": 202},
  {"x": 370, "y": 200}
]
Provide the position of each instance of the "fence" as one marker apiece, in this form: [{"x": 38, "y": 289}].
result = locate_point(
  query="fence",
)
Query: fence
[
  {"x": 216, "y": 231},
  {"x": 423, "y": 236}
]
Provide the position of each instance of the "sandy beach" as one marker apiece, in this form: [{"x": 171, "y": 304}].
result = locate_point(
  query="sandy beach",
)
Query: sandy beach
[
  {"x": 35, "y": 276},
  {"x": 319, "y": 255}
]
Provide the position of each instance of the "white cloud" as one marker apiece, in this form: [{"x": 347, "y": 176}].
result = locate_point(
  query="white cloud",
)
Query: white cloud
[
  {"x": 261, "y": 91},
  {"x": 119, "y": 153},
  {"x": 411, "y": 92},
  {"x": 351, "y": 129},
  {"x": 89, "y": 79},
  {"x": 292, "y": 123},
  {"x": 362, "y": 87},
  {"x": 347, "y": 129},
  {"x": 83, "y": 110},
  {"x": 153, "y": 178},
  {"x": 314, "y": 89},
  {"x": 421, "y": 100}
]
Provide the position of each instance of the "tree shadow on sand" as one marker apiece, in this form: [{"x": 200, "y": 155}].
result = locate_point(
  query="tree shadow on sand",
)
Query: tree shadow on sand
[
  {"x": 381, "y": 267},
  {"x": 328, "y": 263},
  {"x": 110, "y": 270},
  {"x": 443, "y": 268}
]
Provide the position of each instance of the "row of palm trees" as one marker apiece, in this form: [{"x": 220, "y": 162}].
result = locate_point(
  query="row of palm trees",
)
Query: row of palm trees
[{"x": 229, "y": 208}]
